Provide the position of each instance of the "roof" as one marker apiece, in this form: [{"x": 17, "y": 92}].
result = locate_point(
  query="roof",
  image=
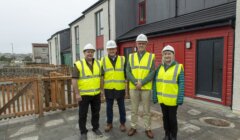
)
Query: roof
[
  {"x": 59, "y": 32},
  {"x": 76, "y": 20},
  {"x": 217, "y": 15},
  {"x": 40, "y": 45},
  {"x": 93, "y": 6},
  {"x": 99, "y": 2}
]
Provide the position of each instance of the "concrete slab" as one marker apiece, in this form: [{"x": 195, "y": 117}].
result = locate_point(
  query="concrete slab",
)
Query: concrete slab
[{"x": 63, "y": 125}]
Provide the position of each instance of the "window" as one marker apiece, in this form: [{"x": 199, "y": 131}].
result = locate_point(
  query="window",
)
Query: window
[
  {"x": 57, "y": 50},
  {"x": 50, "y": 53},
  {"x": 142, "y": 12},
  {"x": 100, "y": 53},
  {"x": 44, "y": 50},
  {"x": 76, "y": 31},
  {"x": 99, "y": 23}
]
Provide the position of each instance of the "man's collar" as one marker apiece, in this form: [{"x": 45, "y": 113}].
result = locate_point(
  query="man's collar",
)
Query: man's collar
[
  {"x": 112, "y": 57},
  {"x": 141, "y": 53}
]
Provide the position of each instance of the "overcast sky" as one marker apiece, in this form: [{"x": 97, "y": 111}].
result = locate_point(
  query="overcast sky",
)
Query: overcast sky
[{"x": 23, "y": 22}]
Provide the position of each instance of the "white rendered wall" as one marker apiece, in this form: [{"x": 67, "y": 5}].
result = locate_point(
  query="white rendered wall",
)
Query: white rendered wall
[
  {"x": 55, "y": 60},
  {"x": 236, "y": 82},
  {"x": 87, "y": 28}
]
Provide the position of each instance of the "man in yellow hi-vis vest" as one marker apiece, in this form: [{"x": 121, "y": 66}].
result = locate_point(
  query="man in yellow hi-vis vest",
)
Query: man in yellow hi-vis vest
[
  {"x": 114, "y": 84},
  {"x": 86, "y": 85},
  {"x": 140, "y": 72}
]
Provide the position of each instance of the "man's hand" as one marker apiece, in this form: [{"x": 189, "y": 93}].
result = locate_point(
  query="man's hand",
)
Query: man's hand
[
  {"x": 138, "y": 85},
  {"x": 78, "y": 97}
]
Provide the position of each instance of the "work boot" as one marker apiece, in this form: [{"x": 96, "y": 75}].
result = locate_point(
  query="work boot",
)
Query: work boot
[
  {"x": 98, "y": 132},
  {"x": 108, "y": 127},
  {"x": 166, "y": 137},
  {"x": 149, "y": 134},
  {"x": 122, "y": 127},
  {"x": 172, "y": 137},
  {"x": 132, "y": 131},
  {"x": 83, "y": 137}
]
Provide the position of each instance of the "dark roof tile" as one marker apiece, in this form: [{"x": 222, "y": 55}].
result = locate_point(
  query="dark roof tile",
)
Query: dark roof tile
[{"x": 213, "y": 15}]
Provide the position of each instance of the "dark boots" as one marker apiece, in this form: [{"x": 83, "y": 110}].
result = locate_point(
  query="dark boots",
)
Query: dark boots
[
  {"x": 169, "y": 136},
  {"x": 173, "y": 137},
  {"x": 166, "y": 138}
]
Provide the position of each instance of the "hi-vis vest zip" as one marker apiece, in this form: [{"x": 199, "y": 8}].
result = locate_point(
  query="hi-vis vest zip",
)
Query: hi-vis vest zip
[
  {"x": 141, "y": 69},
  {"x": 167, "y": 86},
  {"x": 88, "y": 83},
  {"x": 114, "y": 78}
]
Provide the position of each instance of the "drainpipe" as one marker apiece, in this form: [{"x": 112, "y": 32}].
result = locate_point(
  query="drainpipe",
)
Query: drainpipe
[
  {"x": 176, "y": 8},
  {"x": 109, "y": 25},
  {"x": 232, "y": 23}
]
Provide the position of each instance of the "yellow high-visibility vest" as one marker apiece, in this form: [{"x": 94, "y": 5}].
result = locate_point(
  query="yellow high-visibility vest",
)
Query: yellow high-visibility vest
[
  {"x": 167, "y": 86},
  {"x": 88, "y": 83},
  {"x": 114, "y": 78},
  {"x": 141, "y": 69}
]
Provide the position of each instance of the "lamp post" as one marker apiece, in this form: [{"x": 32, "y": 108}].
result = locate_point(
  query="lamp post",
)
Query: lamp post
[
  {"x": 13, "y": 57},
  {"x": 12, "y": 48}
]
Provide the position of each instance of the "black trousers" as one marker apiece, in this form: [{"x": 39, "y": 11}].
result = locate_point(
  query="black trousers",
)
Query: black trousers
[
  {"x": 95, "y": 103},
  {"x": 170, "y": 119}
]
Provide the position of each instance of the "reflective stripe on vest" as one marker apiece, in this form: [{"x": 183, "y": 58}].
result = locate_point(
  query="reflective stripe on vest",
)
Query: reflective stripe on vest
[
  {"x": 167, "y": 86},
  {"x": 114, "y": 78},
  {"x": 140, "y": 69},
  {"x": 87, "y": 77},
  {"x": 174, "y": 80}
]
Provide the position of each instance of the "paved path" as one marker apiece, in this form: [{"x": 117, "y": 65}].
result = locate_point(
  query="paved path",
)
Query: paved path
[{"x": 63, "y": 125}]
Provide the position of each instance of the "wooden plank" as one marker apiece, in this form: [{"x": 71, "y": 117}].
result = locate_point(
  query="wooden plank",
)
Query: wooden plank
[
  {"x": 47, "y": 93},
  {"x": 24, "y": 113},
  {"x": 26, "y": 101},
  {"x": 8, "y": 99},
  {"x": 13, "y": 91},
  {"x": 22, "y": 103},
  {"x": 39, "y": 87},
  {"x": 36, "y": 101},
  {"x": 31, "y": 100},
  {"x": 69, "y": 95},
  {"x": 18, "y": 102},
  {"x": 74, "y": 98},
  {"x": 63, "y": 95},
  {"x": 3, "y": 94},
  {"x": 16, "y": 114},
  {"x": 53, "y": 93}
]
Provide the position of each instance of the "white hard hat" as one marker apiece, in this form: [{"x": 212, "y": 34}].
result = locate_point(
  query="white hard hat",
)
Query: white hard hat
[
  {"x": 168, "y": 48},
  {"x": 88, "y": 47},
  {"x": 142, "y": 37},
  {"x": 111, "y": 44}
]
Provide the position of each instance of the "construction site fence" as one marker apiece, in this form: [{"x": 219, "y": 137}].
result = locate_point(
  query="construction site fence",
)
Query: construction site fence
[{"x": 35, "y": 95}]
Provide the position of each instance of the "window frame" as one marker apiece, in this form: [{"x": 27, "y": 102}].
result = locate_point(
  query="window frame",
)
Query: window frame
[
  {"x": 56, "y": 49},
  {"x": 99, "y": 22},
  {"x": 77, "y": 46},
  {"x": 141, "y": 7},
  {"x": 99, "y": 53}
]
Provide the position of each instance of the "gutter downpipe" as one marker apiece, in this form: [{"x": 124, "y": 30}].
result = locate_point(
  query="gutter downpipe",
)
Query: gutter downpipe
[{"x": 109, "y": 25}]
